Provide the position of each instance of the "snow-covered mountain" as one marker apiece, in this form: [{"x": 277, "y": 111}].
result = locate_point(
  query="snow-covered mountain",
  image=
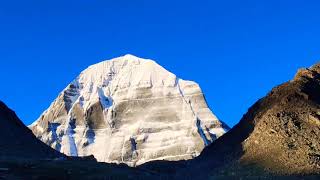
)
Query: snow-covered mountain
[{"x": 129, "y": 110}]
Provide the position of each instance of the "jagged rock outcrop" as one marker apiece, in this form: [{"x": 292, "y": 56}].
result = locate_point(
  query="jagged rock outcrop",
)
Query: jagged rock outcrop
[
  {"x": 18, "y": 142},
  {"x": 129, "y": 110}
]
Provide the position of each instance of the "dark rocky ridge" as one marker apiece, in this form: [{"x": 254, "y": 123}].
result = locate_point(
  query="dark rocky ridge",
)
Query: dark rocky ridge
[{"x": 17, "y": 141}]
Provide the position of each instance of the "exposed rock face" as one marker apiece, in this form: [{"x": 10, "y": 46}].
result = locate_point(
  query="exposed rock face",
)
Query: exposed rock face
[
  {"x": 286, "y": 134},
  {"x": 129, "y": 110},
  {"x": 18, "y": 142},
  {"x": 279, "y": 135}
]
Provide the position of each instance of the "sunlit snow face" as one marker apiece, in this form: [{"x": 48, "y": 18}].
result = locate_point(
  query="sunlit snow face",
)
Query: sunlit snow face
[{"x": 131, "y": 110}]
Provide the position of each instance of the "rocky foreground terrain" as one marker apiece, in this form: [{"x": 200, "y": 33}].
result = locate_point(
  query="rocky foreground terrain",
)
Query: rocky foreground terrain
[{"x": 278, "y": 138}]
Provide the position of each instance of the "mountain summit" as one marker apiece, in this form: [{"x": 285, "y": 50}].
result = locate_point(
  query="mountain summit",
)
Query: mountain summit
[{"x": 129, "y": 110}]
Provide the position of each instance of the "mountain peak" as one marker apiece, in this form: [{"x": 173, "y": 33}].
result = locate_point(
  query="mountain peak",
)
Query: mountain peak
[
  {"x": 127, "y": 59},
  {"x": 312, "y": 72},
  {"x": 130, "y": 56},
  {"x": 123, "y": 72},
  {"x": 129, "y": 110}
]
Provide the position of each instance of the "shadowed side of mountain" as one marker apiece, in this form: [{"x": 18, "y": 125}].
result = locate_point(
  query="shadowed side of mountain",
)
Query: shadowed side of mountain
[{"x": 17, "y": 141}]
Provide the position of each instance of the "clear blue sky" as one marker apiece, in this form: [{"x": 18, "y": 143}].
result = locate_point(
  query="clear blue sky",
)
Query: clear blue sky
[{"x": 236, "y": 50}]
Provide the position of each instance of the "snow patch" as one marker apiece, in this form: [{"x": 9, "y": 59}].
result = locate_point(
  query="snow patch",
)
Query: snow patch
[
  {"x": 200, "y": 131},
  {"x": 70, "y": 133},
  {"x": 54, "y": 136}
]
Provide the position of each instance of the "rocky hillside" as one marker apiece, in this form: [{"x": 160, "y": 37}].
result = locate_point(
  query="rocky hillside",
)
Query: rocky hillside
[
  {"x": 129, "y": 110},
  {"x": 18, "y": 142}
]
